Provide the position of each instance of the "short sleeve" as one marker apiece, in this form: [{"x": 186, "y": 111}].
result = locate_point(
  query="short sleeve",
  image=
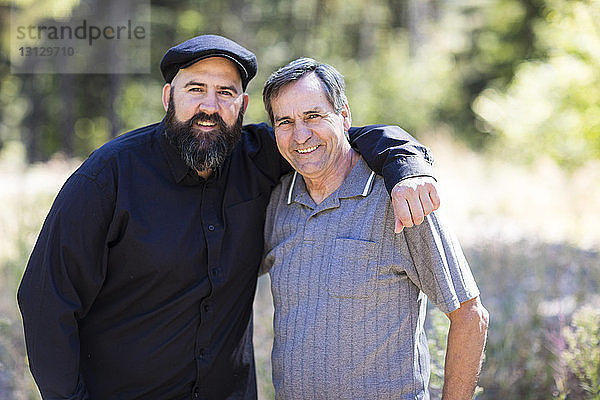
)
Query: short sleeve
[{"x": 440, "y": 269}]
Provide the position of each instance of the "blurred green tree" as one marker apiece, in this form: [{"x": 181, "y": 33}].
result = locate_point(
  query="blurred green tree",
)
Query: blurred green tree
[
  {"x": 552, "y": 104},
  {"x": 521, "y": 75}
]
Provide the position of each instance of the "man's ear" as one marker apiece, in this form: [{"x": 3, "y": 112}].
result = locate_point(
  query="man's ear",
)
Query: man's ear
[
  {"x": 166, "y": 95},
  {"x": 347, "y": 115},
  {"x": 246, "y": 100}
]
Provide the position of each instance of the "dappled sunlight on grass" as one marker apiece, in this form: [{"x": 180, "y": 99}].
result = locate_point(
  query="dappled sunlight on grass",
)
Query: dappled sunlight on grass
[{"x": 501, "y": 199}]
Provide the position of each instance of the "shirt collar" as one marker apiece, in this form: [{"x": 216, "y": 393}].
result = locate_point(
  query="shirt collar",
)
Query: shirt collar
[{"x": 358, "y": 183}]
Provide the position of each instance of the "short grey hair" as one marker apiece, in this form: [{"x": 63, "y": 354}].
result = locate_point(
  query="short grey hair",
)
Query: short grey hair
[{"x": 332, "y": 81}]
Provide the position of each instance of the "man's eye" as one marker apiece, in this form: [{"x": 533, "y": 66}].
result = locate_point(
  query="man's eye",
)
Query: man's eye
[
  {"x": 313, "y": 116},
  {"x": 284, "y": 122},
  {"x": 226, "y": 93}
]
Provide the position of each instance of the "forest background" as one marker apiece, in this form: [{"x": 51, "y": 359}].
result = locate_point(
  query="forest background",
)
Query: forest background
[{"x": 505, "y": 92}]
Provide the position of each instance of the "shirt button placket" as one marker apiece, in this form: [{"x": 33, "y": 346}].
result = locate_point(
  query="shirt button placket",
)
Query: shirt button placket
[{"x": 210, "y": 222}]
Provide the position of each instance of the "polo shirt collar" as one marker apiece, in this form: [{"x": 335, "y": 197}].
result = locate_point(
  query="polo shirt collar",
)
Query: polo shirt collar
[{"x": 358, "y": 183}]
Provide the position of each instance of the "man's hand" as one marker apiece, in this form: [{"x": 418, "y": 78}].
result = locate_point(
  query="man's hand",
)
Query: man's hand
[{"x": 413, "y": 199}]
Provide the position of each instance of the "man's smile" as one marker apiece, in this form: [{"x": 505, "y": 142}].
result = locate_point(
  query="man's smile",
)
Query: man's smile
[
  {"x": 205, "y": 123},
  {"x": 307, "y": 150}
]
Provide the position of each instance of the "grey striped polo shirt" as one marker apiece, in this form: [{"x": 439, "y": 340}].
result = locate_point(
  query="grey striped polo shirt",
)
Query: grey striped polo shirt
[{"x": 350, "y": 295}]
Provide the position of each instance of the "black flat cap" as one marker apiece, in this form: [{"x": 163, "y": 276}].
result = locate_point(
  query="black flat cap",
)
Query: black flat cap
[{"x": 195, "y": 49}]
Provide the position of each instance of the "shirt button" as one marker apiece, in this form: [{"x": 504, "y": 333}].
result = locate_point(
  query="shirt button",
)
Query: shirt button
[
  {"x": 201, "y": 354},
  {"x": 211, "y": 228},
  {"x": 206, "y": 308}
]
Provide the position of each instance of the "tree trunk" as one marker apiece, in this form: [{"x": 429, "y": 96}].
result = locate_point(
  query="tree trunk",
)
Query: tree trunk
[{"x": 66, "y": 88}]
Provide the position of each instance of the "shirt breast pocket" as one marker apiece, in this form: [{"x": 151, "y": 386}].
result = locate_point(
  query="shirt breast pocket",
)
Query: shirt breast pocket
[
  {"x": 352, "y": 273},
  {"x": 244, "y": 225}
]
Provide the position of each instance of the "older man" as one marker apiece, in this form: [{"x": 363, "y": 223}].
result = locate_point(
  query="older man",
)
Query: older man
[
  {"x": 350, "y": 295},
  {"x": 141, "y": 283}
]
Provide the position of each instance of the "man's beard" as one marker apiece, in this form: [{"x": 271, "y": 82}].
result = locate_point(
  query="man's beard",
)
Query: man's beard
[{"x": 200, "y": 150}]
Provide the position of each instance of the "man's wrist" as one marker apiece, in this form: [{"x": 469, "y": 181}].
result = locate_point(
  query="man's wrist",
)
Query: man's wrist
[{"x": 404, "y": 168}]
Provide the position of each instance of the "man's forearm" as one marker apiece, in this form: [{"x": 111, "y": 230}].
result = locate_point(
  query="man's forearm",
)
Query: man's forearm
[
  {"x": 392, "y": 152},
  {"x": 464, "y": 354}
]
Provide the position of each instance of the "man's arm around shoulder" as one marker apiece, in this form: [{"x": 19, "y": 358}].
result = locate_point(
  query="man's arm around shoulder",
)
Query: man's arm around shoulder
[{"x": 406, "y": 166}]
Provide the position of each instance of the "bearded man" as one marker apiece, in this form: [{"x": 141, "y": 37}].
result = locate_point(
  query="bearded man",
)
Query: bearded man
[{"x": 141, "y": 283}]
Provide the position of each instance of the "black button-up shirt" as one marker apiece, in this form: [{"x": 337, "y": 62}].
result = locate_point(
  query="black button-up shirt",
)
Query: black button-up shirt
[{"x": 141, "y": 283}]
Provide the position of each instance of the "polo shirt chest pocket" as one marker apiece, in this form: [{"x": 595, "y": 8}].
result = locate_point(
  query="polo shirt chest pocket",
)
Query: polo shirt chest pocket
[{"x": 352, "y": 272}]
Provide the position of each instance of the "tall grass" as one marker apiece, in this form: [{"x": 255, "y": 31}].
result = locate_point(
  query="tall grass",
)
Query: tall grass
[
  {"x": 531, "y": 290},
  {"x": 529, "y": 233}
]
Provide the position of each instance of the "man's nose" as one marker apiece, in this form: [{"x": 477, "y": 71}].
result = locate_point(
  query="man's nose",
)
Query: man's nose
[
  {"x": 302, "y": 132},
  {"x": 208, "y": 103}
]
